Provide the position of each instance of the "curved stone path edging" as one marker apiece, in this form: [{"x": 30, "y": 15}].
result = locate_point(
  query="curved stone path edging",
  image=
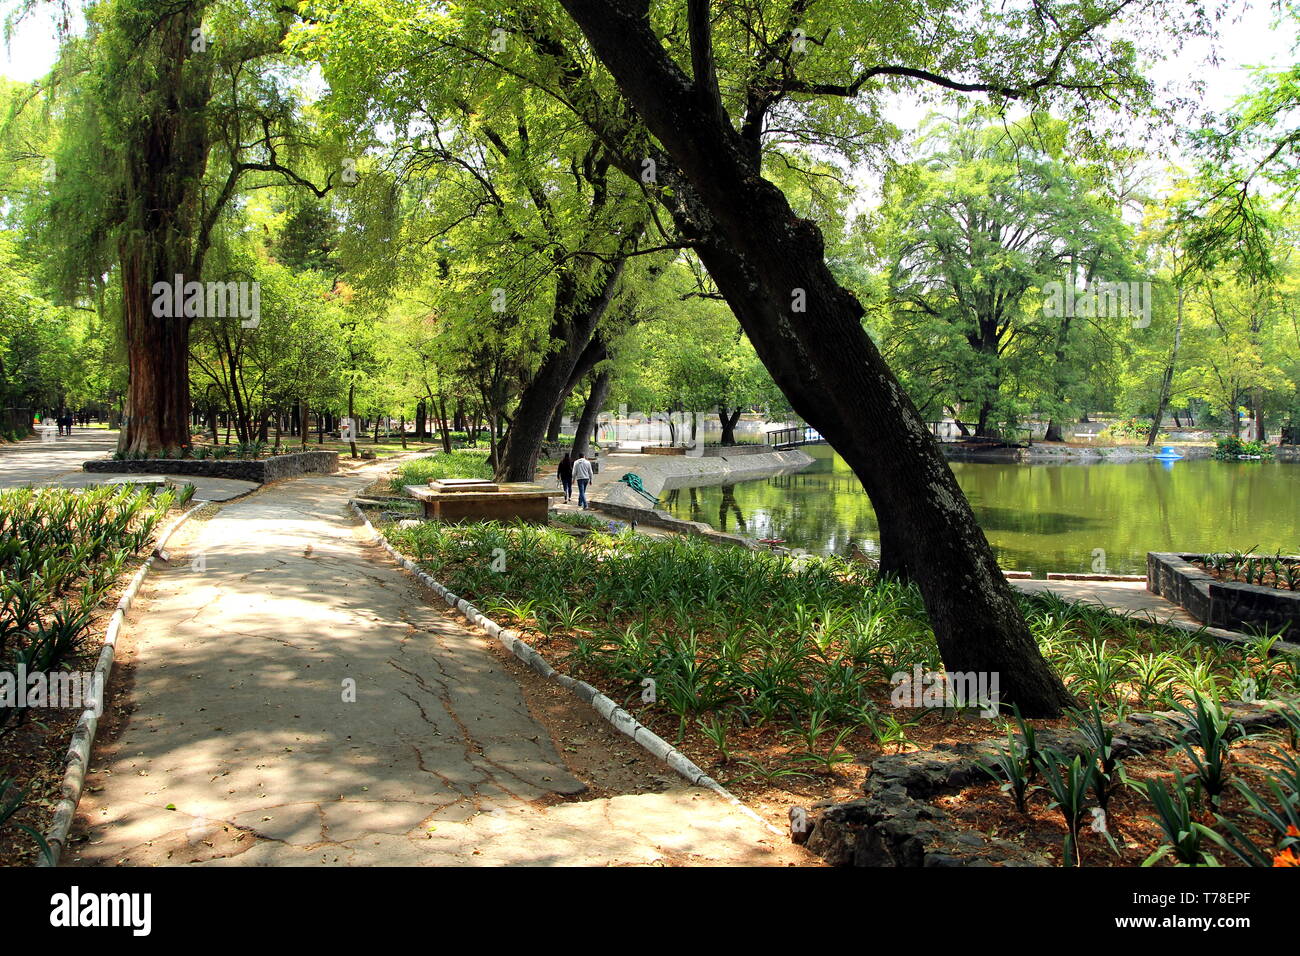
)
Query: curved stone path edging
[
  {"x": 616, "y": 716},
  {"x": 83, "y": 736}
]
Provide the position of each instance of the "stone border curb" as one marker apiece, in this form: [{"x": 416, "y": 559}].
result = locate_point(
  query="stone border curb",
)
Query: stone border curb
[
  {"x": 83, "y": 736},
  {"x": 260, "y": 470},
  {"x": 606, "y": 707},
  {"x": 1222, "y": 605}
]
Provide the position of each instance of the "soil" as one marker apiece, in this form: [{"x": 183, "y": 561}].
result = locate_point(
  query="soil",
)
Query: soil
[{"x": 1130, "y": 817}]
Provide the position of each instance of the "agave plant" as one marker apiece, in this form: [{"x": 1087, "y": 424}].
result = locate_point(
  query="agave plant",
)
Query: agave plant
[
  {"x": 1069, "y": 782},
  {"x": 11, "y": 801},
  {"x": 1207, "y": 743},
  {"x": 1185, "y": 836}
]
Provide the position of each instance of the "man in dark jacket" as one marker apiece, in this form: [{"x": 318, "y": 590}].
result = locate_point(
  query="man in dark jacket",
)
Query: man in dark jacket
[{"x": 565, "y": 474}]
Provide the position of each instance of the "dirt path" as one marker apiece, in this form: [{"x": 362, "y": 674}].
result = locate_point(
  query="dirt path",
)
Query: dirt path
[{"x": 243, "y": 745}]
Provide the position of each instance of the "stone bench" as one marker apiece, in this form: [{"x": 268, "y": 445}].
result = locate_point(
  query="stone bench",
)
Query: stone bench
[{"x": 507, "y": 502}]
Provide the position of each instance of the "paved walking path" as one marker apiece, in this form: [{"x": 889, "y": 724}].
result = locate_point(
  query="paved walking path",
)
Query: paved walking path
[
  {"x": 243, "y": 750},
  {"x": 1123, "y": 597},
  {"x": 57, "y": 461},
  {"x": 37, "y": 462}
]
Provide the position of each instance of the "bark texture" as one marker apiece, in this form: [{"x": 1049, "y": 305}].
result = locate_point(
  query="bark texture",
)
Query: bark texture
[{"x": 765, "y": 259}]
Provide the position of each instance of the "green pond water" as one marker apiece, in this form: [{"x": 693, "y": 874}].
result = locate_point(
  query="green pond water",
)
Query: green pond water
[{"x": 1040, "y": 518}]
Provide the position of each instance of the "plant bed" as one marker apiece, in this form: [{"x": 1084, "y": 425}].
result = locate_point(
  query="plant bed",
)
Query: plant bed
[
  {"x": 1203, "y": 785},
  {"x": 773, "y": 673},
  {"x": 1206, "y": 586},
  {"x": 244, "y": 469},
  {"x": 1131, "y": 820},
  {"x": 462, "y": 463},
  {"x": 64, "y": 557},
  {"x": 1279, "y": 571}
]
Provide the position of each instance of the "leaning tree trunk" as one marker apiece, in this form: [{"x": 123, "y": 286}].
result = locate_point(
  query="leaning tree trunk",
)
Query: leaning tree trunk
[
  {"x": 442, "y": 425},
  {"x": 557, "y": 420},
  {"x": 767, "y": 262},
  {"x": 574, "y": 325},
  {"x": 590, "y": 413}
]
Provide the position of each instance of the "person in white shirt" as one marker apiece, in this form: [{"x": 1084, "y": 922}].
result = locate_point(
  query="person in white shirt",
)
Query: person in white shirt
[{"x": 582, "y": 475}]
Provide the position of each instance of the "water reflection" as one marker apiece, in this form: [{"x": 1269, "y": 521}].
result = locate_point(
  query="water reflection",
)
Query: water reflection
[{"x": 1038, "y": 517}]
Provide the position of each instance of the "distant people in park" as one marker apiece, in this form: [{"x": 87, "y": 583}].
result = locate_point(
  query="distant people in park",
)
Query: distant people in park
[
  {"x": 64, "y": 422},
  {"x": 582, "y": 475},
  {"x": 565, "y": 474}
]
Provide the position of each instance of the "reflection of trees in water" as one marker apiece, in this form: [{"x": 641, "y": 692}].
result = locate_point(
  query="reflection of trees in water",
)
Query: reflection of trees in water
[
  {"x": 671, "y": 502},
  {"x": 806, "y": 481},
  {"x": 1038, "y": 517},
  {"x": 728, "y": 503}
]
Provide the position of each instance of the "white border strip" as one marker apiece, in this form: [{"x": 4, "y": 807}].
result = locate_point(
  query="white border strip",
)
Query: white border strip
[
  {"x": 615, "y": 715},
  {"x": 83, "y": 736}
]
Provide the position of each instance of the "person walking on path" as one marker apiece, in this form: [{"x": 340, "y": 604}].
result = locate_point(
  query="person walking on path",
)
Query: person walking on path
[
  {"x": 582, "y": 475},
  {"x": 565, "y": 474}
]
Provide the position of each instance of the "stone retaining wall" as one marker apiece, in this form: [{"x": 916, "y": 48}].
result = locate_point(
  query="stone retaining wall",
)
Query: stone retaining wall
[
  {"x": 261, "y": 470},
  {"x": 662, "y": 519},
  {"x": 1225, "y": 604},
  {"x": 1048, "y": 453},
  {"x": 734, "y": 451}
]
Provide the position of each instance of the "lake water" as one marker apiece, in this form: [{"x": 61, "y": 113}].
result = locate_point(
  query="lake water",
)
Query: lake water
[{"x": 1040, "y": 518}]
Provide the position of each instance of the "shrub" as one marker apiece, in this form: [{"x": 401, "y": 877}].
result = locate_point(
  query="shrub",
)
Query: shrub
[
  {"x": 460, "y": 463},
  {"x": 1230, "y": 447}
]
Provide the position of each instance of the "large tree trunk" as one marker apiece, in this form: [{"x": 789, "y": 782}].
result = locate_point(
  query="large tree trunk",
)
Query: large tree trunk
[
  {"x": 557, "y": 420},
  {"x": 158, "y": 358},
  {"x": 764, "y": 259},
  {"x": 590, "y": 412},
  {"x": 729, "y": 420},
  {"x": 982, "y": 426},
  {"x": 167, "y": 156},
  {"x": 576, "y": 317}
]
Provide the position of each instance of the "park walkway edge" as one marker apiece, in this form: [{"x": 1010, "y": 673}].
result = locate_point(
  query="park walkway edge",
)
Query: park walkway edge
[
  {"x": 606, "y": 707},
  {"x": 83, "y": 735}
]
